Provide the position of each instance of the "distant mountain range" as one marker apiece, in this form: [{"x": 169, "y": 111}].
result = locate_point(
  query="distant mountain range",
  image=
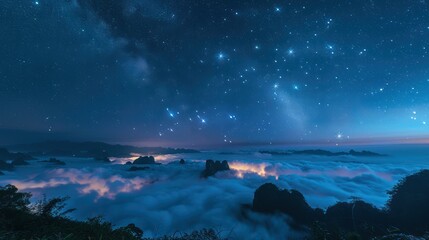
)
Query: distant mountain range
[
  {"x": 319, "y": 152},
  {"x": 6, "y": 155},
  {"x": 91, "y": 149}
]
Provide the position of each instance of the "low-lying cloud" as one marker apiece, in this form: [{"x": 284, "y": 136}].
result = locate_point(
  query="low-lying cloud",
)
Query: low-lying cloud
[{"x": 172, "y": 197}]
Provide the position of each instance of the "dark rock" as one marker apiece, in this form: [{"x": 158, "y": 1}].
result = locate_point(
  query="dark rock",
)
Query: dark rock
[
  {"x": 55, "y": 161},
  {"x": 212, "y": 167},
  {"x": 182, "y": 161},
  {"x": 269, "y": 198},
  {"x": 406, "y": 211},
  {"x": 128, "y": 163},
  {"x": 145, "y": 160},
  {"x": 134, "y": 168}
]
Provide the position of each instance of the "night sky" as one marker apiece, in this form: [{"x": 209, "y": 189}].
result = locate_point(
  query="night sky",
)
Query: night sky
[{"x": 194, "y": 73}]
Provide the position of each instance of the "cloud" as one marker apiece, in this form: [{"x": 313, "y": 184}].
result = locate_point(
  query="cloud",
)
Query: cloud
[{"x": 172, "y": 198}]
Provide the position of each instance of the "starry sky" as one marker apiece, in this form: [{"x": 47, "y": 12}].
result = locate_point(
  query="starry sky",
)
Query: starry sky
[{"x": 194, "y": 73}]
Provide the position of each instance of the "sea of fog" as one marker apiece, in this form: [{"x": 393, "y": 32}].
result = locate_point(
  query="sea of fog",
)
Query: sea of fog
[{"x": 171, "y": 197}]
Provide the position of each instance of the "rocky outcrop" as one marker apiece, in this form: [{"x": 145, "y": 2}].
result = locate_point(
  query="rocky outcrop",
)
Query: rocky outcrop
[
  {"x": 145, "y": 160},
  {"x": 182, "y": 161},
  {"x": 269, "y": 198},
  {"x": 212, "y": 167},
  {"x": 405, "y": 212}
]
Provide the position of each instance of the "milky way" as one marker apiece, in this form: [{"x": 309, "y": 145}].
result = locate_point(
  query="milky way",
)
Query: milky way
[{"x": 214, "y": 72}]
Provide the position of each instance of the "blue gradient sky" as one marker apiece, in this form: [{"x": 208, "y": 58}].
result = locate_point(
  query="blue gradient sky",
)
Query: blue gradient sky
[{"x": 214, "y": 72}]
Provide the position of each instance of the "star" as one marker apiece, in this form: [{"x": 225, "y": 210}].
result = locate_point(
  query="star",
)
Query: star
[
  {"x": 232, "y": 117},
  {"x": 221, "y": 56},
  {"x": 170, "y": 113}
]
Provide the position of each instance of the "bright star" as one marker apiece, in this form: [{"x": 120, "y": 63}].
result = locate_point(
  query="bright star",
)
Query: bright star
[
  {"x": 221, "y": 56},
  {"x": 170, "y": 113}
]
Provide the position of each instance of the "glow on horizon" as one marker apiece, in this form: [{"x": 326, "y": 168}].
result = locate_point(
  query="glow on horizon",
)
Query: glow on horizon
[
  {"x": 265, "y": 169},
  {"x": 89, "y": 182}
]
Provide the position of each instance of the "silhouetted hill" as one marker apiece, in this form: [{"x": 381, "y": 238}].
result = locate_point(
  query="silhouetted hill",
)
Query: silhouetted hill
[
  {"x": 409, "y": 203},
  {"x": 270, "y": 199},
  {"x": 212, "y": 167},
  {"x": 319, "y": 152},
  {"x": 145, "y": 160},
  {"x": 406, "y": 212},
  {"x": 92, "y": 149},
  {"x": 6, "y": 155}
]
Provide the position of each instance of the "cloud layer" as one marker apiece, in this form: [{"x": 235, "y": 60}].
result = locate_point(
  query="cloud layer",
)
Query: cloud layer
[{"x": 172, "y": 198}]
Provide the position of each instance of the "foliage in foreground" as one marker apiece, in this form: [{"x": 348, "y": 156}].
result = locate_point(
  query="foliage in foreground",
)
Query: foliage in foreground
[{"x": 47, "y": 220}]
